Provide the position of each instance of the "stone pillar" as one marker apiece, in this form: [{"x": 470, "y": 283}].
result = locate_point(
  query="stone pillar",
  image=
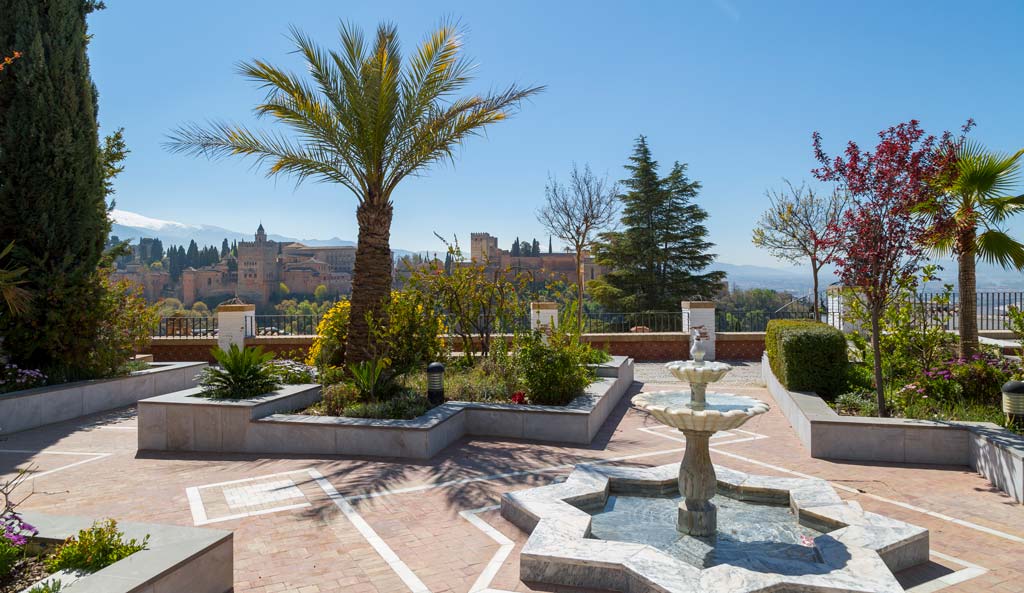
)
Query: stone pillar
[
  {"x": 233, "y": 323},
  {"x": 701, "y": 314},
  {"x": 543, "y": 316}
]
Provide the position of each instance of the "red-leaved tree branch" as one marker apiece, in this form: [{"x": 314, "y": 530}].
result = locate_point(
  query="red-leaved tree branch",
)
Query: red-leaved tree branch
[{"x": 878, "y": 239}]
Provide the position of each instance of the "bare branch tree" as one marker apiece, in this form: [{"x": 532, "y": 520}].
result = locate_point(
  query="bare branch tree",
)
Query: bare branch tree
[
  {"x": 795, "y": 222},
  {"x": 576, "y": 213}
]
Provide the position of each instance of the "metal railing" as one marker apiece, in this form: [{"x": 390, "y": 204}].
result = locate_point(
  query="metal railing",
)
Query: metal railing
[
  {"x": 754, "y": 320},
  {"x": 186, "y": 327},
  {"x": 640, "y": 322},
  {"x": 991, "y": 308},
  {"x": 281, "y": 325}
]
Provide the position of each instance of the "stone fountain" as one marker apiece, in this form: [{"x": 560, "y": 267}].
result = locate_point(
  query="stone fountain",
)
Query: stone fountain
[
  {"x": 698, "y": 418},
  {"x": 612, "y": 528}
]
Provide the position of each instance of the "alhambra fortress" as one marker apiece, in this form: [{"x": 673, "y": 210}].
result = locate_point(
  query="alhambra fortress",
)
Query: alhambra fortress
[{"x": 261, "y": 269}]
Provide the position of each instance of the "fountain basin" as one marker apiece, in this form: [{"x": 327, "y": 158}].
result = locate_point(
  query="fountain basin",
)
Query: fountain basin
[
  {"x": 689, "y": 371},
  {"x": 857, "y": 551},
  {"x": 721, "y": 411}
]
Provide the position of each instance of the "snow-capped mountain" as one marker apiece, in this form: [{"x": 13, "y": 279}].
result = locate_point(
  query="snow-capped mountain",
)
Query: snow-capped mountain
[{"x": 134, "y": 226}]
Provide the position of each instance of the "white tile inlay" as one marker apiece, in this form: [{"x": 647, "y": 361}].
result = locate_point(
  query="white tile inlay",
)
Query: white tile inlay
[{"x": 259, "y": 493}]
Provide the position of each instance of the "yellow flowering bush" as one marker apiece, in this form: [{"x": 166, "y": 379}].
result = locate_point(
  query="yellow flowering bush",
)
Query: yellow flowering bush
[
  {"x": 411, "y": 335},
  {"x": 328, "y": 347}
]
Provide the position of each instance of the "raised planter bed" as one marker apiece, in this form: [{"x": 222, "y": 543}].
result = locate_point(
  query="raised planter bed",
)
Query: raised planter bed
[
  {"x": 176, "y": 559},
  {"x": 31, "y": 408},
  {"x": 177, "y": 422},
  {"x": 987, "y": 448}
]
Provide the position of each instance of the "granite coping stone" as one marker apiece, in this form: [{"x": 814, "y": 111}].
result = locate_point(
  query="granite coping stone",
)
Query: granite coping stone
[
  {"x": 828, "y": 435},
  {"x": 175, "y": 559},
  {"x": 859, "y": 552},
  {"x": 154, "y": 367}
]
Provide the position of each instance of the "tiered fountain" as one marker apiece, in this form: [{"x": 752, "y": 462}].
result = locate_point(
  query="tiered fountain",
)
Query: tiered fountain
[
  {"x": 611, "y": 527},
  {"x": 698, "y": 416}
]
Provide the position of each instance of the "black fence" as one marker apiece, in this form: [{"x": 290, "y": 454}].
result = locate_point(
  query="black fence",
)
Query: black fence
[
  {"x": 281, "y": 325},
  {"x": 186, "y": 327},
  {"x": 941, "y": 310},
  {"x": 643, "y": 321}
]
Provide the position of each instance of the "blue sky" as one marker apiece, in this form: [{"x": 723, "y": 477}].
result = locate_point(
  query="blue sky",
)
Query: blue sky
[{"x": 732, "y": 87}]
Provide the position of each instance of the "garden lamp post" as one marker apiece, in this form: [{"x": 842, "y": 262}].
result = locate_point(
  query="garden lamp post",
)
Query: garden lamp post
[
  {"x": 1013, "y": 400},
  {"x": 435, "y": 383}
]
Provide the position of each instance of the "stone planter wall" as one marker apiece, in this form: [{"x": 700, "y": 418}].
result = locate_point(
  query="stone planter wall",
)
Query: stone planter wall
[
  {"x": 177, "y": 422},
  {"x": 31, "y": 408},
  {"x": 177, "y": 559},
  {"x": 991, "y": 450}
]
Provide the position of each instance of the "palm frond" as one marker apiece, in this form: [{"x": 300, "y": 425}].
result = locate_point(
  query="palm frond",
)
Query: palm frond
[
  {"x": 996, "y": 247},
  {"x": 983, "y": 175}
]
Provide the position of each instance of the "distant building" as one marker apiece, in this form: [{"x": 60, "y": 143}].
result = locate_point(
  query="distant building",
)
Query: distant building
[
  {"x": 543, "y": 267},
  {"x": 263, "y": 266}
]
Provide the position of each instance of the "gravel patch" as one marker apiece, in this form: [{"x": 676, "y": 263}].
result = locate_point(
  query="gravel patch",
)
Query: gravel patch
[{"x": 744, "y": 372}]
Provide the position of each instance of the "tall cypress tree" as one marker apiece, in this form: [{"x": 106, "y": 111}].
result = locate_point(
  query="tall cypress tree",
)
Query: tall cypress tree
[
  {"x": 658, "y": 258},
  {"x": 52, "y": 193}
]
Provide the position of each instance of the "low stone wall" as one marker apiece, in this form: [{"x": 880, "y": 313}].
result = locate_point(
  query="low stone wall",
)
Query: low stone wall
[
  {"x": 176, "y": 558},
  {"x": 178, "y": 422},
  {"x": 31, "y": 408},
  {"x": 642, "y": 347},
  {"x": 992, "y": 451}
]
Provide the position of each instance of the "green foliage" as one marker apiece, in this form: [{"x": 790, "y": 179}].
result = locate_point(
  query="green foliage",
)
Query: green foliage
[
  {"x": 553, "y": 373},
  {"x": 12, "y": 291},
  {"x": 410, "y": 335},
  {"x": 371, "y": 378},
  {"x": 291, "y": 372},
  {"x": 405, "y": 406},
  {"x": 807, "y": 356},
  {"x": 1015, "y": 319},
  {"x": 492, "y": 379},
  {"x": 913, "y": 333},
  {"x": 476, "y": 302},
  {"x": 94, "y": 548},
  {"x": 857, "y": 403},
  {"x": 52, "y": 187},
  {"x": 659, "y": 255},
  {"x": 9, "y": 555},
  {"x": 126, "y": 324},
  {"x": 243, "y": 373},
  {"x": 50, "y": 586},
  {"x": 335, "y": 398},
  {"x": 304, "y": 307}
]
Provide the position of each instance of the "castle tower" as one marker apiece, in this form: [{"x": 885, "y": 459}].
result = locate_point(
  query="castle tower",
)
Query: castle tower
[{"x": 482, "y": 246}]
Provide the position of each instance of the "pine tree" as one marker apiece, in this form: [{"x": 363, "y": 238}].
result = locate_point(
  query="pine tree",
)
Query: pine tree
[
  {"x": 658, "y": 257},
  {"x": 52, "y": 191},
  {"x": 516, "y": 252},
  {"x": 224, "y": 248}
]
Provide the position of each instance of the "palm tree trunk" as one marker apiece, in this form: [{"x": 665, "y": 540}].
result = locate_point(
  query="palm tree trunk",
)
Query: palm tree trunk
[
  {"x": 876, "y": 350},
  {"x": 968, "y": 280},
  {"x": 371, "y": 280}
]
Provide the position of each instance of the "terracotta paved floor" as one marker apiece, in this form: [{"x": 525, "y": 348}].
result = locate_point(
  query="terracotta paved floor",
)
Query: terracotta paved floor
[{"x": 411, "y": 511}]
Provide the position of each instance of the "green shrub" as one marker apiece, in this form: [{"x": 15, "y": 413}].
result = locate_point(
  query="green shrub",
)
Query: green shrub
[
  {"x": 807, "y": 356},
  {"x": 409, "y": 335},
  {"x": 335, "y": 398},
  {"x": 243, "y": 373},
  {"x": 402, "y": 407},
  {"x": 857, "y": 403},
  {"x": 292, "y": 372},
  {"x": 94, "y": 548},
  {"x": 54, "y": 586},
  {"x": 372, "y": 378},
  {"x": 553, "y": 373},
  {"x": 9, "y": 554}
]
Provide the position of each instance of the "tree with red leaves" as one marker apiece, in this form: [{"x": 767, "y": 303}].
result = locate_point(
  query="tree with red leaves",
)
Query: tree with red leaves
[{"x": 879, "y": 237}]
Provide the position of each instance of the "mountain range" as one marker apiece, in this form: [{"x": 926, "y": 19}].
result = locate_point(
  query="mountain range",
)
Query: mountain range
[{"x": 796, "y": 279}]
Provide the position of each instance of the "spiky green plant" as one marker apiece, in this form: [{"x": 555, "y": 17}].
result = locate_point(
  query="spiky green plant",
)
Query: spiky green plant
[
  {"x": 242, "y": 373},
  {"x": 11, "y": 290},
  {"x": 365, "y": 120}
]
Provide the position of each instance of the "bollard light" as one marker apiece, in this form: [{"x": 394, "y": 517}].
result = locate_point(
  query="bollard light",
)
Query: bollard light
[{"x": 435, "y": 383}]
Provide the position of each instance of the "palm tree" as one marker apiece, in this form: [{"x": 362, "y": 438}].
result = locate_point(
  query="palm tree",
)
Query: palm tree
[
  {"x": 13, "y": 294},
  {"x": 968, "y": 216},
  {"x": 365, "y": 121}
]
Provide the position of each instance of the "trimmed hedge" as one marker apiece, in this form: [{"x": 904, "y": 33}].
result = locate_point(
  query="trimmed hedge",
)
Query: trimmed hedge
[{"x": 807, "y": 356}]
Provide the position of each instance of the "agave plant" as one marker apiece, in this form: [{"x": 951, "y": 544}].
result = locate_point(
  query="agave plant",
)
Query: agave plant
[{"x": 243, "y": 373}]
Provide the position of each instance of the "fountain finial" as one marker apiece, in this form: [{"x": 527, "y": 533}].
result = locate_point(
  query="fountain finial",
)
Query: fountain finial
[{"x": 696, "y": 347}]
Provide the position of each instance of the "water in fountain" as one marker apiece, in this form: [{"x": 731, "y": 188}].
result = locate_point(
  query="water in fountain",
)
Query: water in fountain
[{"x": 746, "y": 531}]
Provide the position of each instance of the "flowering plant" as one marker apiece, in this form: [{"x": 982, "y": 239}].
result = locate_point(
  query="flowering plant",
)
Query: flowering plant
[
  {"x": 13, "y": 378},
  {"x": 519, "y": 397}
]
